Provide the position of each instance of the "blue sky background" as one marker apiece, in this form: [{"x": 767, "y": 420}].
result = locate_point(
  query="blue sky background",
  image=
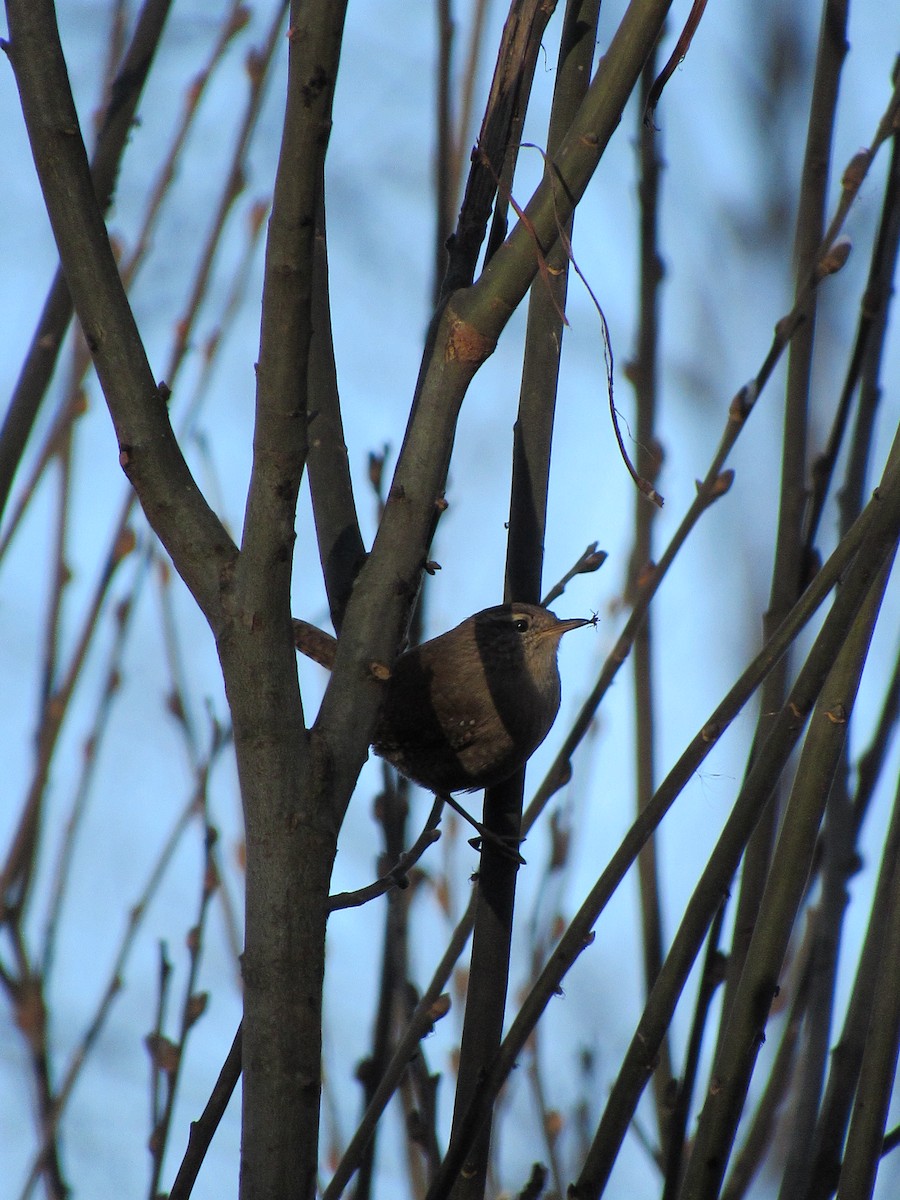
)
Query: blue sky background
[{"x": 728, "y": 280}]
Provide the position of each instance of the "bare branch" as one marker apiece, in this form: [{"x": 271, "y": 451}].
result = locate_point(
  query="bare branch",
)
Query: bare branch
[
  {"x": 42, "y": 354},
  {"x": 148, "y": 451}
]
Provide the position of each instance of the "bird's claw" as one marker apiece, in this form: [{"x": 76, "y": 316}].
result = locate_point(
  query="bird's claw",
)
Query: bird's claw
[{"x": 508, "y": 846}]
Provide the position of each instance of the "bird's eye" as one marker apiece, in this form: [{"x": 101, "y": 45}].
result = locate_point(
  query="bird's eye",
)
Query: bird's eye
[{"x": 521, "y": 625}]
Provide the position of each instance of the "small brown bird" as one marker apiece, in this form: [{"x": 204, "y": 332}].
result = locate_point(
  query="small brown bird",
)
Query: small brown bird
[{"x": 469, "y": 708}]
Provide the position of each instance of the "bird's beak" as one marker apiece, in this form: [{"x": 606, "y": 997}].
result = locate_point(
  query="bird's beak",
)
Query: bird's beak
[{"x": 564, "y": 626}]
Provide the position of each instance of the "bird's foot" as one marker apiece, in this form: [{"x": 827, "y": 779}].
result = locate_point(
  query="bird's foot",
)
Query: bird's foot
[{"x": 506, "y": 845}]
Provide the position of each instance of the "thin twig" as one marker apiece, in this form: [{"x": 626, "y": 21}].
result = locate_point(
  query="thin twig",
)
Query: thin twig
[
  {"x": 397, "y": 876},
  {"x": 203, "y": 1129},
  {"x": 169, "y": 1066},
  {"x": 423, "y": 1020},
  {"x": 643, "y": 373},
  {"x": 40, "y": 361},
  {"x": 114, "y": 981},
  {"x": 591, "y": 560}
]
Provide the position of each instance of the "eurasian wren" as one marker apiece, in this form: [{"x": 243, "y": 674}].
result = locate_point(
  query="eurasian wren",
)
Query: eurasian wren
[{"x": 467, "y": 709}]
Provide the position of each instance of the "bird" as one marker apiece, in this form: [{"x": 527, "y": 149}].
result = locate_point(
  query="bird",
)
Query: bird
[{"x": 468, "y": 708}]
